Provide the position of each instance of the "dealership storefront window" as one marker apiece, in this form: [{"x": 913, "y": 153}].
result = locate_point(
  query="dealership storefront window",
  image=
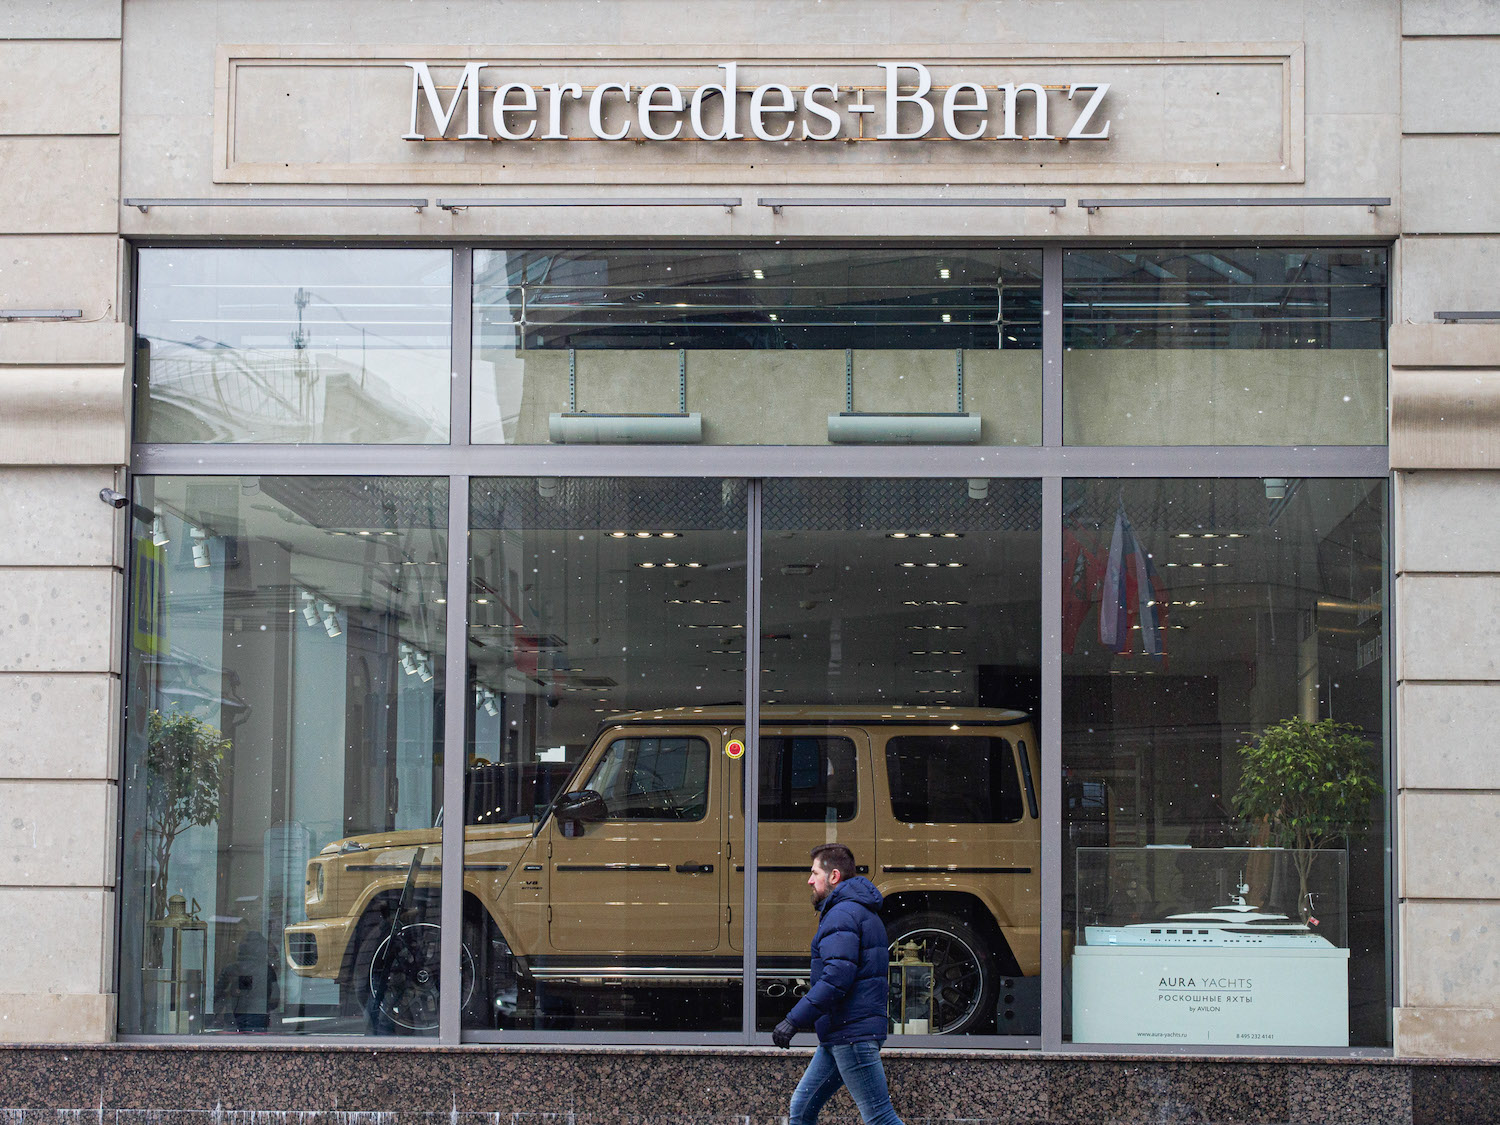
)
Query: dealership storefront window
[{"x": 1017, "y": 557}]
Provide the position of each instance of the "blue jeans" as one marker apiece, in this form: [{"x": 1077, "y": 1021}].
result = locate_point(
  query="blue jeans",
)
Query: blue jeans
[{"x": 856, "y": 1065}]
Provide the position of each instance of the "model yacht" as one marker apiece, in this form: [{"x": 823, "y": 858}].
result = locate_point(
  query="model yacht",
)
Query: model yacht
[{"x": 1237, "y": 923}]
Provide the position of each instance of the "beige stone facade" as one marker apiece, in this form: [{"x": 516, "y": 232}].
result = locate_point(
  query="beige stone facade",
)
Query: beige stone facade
[{"x": 225, "y": 100}]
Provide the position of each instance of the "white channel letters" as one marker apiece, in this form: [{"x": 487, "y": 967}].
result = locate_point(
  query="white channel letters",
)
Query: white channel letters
[{"x": 904, "y": 104}]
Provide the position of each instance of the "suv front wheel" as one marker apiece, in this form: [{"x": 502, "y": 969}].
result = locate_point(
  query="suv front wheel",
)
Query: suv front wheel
[{"x": 964, "y": 975}]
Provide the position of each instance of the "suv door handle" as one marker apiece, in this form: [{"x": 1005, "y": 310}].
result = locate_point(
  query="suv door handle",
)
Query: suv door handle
[{"x": 695, "y": 869}]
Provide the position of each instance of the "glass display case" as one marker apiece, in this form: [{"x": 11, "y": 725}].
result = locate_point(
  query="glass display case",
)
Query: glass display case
[{"x": 1211, "y": 945}]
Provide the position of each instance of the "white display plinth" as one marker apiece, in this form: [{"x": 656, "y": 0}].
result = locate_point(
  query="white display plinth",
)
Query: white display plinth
[{"x": 1161, "y": 994}]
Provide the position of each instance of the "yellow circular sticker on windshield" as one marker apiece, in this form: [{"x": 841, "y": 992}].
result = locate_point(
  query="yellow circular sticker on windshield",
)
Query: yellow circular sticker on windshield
[{"x": 734, "y": 748}]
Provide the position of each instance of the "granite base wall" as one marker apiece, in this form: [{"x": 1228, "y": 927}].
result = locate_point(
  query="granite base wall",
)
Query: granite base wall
[{"x": 134, "y": 1084}]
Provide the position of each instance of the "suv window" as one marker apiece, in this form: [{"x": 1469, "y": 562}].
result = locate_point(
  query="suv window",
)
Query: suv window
[
  {"x": 653, "y": 779},
  {"x": 807, "y": 777},
  {"x": 952, "y": 779}
]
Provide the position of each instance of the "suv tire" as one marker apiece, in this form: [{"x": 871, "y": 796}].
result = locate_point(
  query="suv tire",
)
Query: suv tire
[
  {"x": 407, "y": 1002},
  {"x": 965, "y": 976}
]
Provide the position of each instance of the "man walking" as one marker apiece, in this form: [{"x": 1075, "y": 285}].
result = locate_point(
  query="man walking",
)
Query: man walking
[{"x": 847, "y": 1001}]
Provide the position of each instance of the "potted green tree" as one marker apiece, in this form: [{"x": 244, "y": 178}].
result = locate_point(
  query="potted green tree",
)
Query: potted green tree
[
  {"x": 1310, "y": 783},
  {"x": 184, "y": 771}
]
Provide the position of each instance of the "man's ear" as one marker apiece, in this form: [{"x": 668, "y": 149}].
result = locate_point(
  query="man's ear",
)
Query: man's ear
[{"x": 834, "y": 875}]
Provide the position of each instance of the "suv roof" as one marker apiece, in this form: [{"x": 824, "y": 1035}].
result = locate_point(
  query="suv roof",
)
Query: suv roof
[{"x": 872, "y": 714}]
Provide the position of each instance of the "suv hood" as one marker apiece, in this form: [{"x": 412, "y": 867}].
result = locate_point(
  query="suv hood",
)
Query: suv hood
[{"x": 417, "y": 837}]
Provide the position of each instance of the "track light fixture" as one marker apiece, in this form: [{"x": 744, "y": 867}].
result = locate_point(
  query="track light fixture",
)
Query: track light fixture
[
  {"x": 200, "y": 546},
  {"x": 330, "y": 615}
]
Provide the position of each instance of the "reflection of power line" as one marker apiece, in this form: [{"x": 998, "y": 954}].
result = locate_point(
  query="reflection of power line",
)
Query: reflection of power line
[{"x": 307, "y": 296}]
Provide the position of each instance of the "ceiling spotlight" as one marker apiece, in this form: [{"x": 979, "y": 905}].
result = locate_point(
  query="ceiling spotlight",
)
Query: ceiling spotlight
[
  {"x": 309, "y": 608},
  {"x": 330, "y": 615},
  {"x": 200, "y": 546},
  {"x": 158, "y": 532},
  {"x": 424, "y": 668}
]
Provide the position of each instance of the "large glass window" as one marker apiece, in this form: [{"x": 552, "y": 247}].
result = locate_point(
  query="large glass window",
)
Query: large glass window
[
  {"x": 901, "y": 623},
  {"x": 1224, "y": 346},
  {"x": 295, "y": 345},
  {"x": 283, "y": 755},
  {"x": 1222, "y": 680},
  {"x": 607, "y": 672},
  {"x": 1224, "y": 742},
  {"x": 757, "y": 347}
]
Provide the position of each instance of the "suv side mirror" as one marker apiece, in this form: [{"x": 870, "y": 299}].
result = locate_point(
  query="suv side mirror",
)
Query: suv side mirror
[{"x": 582, "y": 806}]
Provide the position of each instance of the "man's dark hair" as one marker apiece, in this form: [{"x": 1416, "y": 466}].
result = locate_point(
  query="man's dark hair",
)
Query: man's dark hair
[{"x": 835, "y": 857}]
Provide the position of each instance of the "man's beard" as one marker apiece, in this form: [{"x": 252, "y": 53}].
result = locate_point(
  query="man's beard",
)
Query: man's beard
[{"x": 817, "y": 899}]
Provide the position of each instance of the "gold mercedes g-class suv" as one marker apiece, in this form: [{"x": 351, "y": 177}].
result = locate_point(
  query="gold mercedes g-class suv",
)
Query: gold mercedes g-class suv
[{"x": 632, "y": 876}]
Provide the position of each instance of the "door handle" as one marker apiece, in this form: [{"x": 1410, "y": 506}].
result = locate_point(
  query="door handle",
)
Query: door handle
[{"x": 695, "y": 869}]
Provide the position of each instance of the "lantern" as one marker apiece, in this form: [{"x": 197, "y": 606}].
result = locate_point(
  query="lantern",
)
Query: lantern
[
  {"x": 178, "y": 983},
  {"x": 909, "y": 1005}
]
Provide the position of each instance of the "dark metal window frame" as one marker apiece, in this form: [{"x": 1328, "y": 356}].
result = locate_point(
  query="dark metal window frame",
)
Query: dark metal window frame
[{"x": 1050, "y": 462}]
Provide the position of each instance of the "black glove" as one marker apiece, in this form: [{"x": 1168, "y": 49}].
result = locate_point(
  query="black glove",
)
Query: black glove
[{"x": 782, "y": 1035}]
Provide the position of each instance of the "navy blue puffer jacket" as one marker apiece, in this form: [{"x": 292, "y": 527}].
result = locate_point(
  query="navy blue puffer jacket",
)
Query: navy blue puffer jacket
[{"x": 850, "y": 960}]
